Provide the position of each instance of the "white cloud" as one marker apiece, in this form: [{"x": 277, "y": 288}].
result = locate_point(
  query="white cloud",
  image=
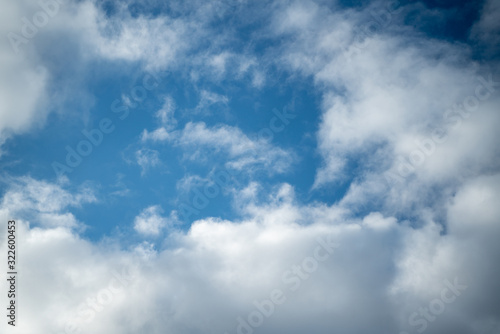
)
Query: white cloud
[
  {"x": 207, "y": 277},
  {"x": 208, "y": 99},
  {"x": 160, "y": 134},
  {"x": 147, "y": 158},
  {"x": 189, "y": 181},
  {"x": 45, "y": 204},
  {"x": 23, "y": 78},
  {"x": 240, "y": 150},
  {"x": 165, "y": 116},
  {"x": 166, "y": 113},
  {"x": 385, "y": 96},
  {"x": 26, "y": 193},
  {"x": 150, "y": 221},
  {"x": 218, "y": 62},
  {"x": 156, "y": 42}
]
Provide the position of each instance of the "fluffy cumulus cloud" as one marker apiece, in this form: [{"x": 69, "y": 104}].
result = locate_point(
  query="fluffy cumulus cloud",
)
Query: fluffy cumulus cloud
[
  {"x": 23, "y": 83},
  {"x": 407, "y": 126},
  {"x": 415, "y": 111},
  {"x": 259, "y": 272}
]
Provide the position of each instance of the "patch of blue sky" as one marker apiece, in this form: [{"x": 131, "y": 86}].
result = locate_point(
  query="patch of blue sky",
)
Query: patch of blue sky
[{"x": 123, "y": 189}]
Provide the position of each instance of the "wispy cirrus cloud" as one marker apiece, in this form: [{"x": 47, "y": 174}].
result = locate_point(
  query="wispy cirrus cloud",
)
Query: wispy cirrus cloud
[
  {"x": 199, "y": 141},
  {"x": 147, "y": 158}
]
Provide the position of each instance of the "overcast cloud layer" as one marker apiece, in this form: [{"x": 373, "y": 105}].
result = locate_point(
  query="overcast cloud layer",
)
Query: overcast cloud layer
[{"x": 259, "y": 167}]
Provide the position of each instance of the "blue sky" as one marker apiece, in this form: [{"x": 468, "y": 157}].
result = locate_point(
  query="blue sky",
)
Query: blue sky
[
  {"x": 112, "y": 166},
  {"x": 227, "y": 137}
]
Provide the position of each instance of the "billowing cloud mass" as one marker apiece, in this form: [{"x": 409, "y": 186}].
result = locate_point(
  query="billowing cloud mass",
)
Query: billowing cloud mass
[
  {"x": 23, "y": 80},
  {"x": 373, "y": 209},
  {"x": 353, "y": 273}
]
